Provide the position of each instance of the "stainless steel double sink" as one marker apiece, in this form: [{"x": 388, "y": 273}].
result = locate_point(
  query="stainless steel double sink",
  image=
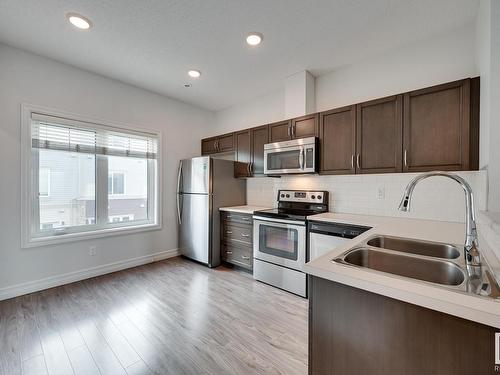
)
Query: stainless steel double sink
[{"x": 432, "y": 262}]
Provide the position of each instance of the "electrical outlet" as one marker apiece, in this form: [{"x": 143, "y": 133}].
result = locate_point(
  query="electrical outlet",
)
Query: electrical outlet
[
  {"x": 381, "y": 192},
  {"x": 92, "y": 251}
]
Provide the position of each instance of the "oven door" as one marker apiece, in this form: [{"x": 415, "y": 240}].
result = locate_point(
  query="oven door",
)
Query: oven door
[
  {"x": 281, "y": 242},
  {"x": 286, "y": 160}
]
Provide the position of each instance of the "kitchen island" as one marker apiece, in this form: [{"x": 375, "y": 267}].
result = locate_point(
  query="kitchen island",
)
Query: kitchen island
[{"x": 365, "y": 321}]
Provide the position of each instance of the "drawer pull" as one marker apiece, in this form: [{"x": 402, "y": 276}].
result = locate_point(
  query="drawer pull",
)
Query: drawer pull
[
  {"x": 229, "y": 232},
  {"x": 245, "y": 257},
  {"x": 229, "y": 252},
  {"x": 245, "y": 235},
  {"x": 245, "y": 218}
]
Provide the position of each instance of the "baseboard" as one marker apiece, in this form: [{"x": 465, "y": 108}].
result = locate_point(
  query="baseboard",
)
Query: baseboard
[{"x": 53, "y": 281}]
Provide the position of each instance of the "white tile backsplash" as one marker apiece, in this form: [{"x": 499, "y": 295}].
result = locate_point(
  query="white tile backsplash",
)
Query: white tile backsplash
[{"x": 436, "y": 198}]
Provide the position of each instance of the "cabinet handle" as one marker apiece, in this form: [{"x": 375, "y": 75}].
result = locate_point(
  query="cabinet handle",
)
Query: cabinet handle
[
  {"x": 245, "y": 235},
  {"x": 229, "y": 252},
  {"x": 229, "y": 232},
  {"x": 245, "y": 257},
  {"x": 352, "y": 161},
  {"x": 245, "y": 218},
  {"x": 358, "y": 162},
  {"x": 405, "y": 161},
  {"x": 289, "y": 131},
  {"x": 293, "y": 131},
  {"x": 218, "y": 148}
]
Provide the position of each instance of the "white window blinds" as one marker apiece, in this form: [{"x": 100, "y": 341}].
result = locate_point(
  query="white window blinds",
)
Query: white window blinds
[{"x": 55, "y": 133}]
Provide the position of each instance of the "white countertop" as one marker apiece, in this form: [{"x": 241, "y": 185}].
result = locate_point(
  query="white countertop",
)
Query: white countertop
[
  {"x": 475, "y": 308},
  {"x": 244, "y": 209}
]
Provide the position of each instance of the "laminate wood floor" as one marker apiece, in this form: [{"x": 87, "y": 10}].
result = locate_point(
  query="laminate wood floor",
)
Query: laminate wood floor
[{"x": 169, "y": 317}]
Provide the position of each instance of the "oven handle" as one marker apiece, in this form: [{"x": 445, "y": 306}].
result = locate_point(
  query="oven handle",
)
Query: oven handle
[{"x": 268, "y": 220}]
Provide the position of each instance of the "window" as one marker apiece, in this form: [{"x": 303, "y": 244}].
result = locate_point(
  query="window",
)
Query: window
[{"x": 87, "y": 179}]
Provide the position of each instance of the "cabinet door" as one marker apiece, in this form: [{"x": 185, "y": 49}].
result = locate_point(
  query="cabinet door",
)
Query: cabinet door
[
  {"x": 280, "y": 131},
  {"x": 337, "y": 141},
  {"x": 379, "y": 141},
  {"x": 305, "y": 126},
  {"x": 436, "y": 128},
  {"x": 225, "y": 143},
  {"x": 243, "y": 153},
  {"x": 260, "y": 137},
  {"x": 208, "y": 146}
]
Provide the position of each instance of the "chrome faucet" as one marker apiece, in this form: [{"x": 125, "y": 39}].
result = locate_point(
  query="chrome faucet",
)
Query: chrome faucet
[{"x": 471, "y": 253}]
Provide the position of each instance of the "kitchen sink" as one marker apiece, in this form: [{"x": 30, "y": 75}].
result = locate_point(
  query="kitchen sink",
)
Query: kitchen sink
[
  {"x": 406, "y": 245},
  {"x": 425, "y": 269}
]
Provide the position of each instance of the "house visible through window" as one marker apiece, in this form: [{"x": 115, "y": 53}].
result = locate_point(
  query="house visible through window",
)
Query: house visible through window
[
  {"x": 89, "y": 177},
  {"x": 116, "y": 183},
  {"x": 44, "y": 182}
]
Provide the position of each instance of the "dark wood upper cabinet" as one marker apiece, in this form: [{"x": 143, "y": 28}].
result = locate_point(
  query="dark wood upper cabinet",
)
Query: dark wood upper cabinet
[
  {"x": 243, "y": 153},
  {"x": 225, "y": 143},
  {"x": 305, "y": 126},
  {"x": 259, "y": 137},
  {"x": 437, "y": 128},
  {"x": 209, "y": 146},
  {"x": 337, "y": 141},
  {"x": 250, "y": 151},
  {"x": 379, "y": 125},
  {"x": 280, "y": 131},
  {"x": 222, "y": 143}
]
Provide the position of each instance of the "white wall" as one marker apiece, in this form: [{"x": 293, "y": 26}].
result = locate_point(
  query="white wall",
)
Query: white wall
[
  {"x": 494, "y": 118},
  {"x": 259, "y": 111},
  {"x": 488, "y": 62},
  {"x": 441, "y": 59},
  {"x": 25, "y": 77},
  {"x": 483, "y": 63}
]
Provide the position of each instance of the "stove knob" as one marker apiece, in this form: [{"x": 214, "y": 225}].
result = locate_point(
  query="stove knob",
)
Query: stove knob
[
  {"x": 282, "y": 195},
  {"x": 319, "y": 197},
  {"x": 313, "y": 197},
  {"x": 288, "y": 195}
]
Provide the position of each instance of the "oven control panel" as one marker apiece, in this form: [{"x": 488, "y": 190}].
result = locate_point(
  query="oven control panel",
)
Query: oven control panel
[{"x": 302, "y": 196}]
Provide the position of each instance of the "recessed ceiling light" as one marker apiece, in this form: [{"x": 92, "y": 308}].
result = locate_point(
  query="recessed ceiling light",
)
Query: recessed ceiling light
[
  {"x": 194, "y": 73},
  {"x": 254, "y": 38},
  {"x": 79, "y": 21}
]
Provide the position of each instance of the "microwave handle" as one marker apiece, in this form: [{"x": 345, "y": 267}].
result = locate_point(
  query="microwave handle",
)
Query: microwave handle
[{"x": 302, "y": 158}]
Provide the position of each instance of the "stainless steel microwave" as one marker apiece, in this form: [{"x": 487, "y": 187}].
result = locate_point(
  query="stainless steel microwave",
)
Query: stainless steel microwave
[{"x": 290, "y": 157}]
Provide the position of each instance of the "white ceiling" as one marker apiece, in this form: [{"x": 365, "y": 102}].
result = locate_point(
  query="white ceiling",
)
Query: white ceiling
[{"x": 153, "y": 43}]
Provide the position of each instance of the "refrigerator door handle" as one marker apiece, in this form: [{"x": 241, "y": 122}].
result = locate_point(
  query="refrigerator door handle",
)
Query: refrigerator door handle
[
  {"x": 179, "y": 178},
  {"x": 179, "y": 218}
]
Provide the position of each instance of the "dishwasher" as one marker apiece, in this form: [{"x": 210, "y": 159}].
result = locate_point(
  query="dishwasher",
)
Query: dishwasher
[{"x": 325, "y": 237}]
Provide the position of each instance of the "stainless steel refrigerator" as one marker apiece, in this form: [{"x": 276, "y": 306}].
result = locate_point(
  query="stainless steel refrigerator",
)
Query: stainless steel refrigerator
[{"x": 204, "y": 185}]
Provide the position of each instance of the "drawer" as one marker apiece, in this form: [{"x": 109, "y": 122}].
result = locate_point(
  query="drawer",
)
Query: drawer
[
  {"x": 241, "y": 233},
  {"x": 239, "y": 255},
  {"x": 236, "y": 217}
]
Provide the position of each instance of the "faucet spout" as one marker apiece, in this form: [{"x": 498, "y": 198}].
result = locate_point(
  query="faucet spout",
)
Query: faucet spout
[{"x": 471, "y": 252}]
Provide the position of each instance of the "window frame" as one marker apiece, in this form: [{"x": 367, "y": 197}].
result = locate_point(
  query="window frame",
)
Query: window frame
[{"x": 31, "y": 235}]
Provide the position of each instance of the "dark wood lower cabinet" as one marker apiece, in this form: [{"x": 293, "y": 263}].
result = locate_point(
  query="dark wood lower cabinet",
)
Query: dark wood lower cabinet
[
  {"x": 352, "y": 331},
  {"x": 236, "y": 239}
]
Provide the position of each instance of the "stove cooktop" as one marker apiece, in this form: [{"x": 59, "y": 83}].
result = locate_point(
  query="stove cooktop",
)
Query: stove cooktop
[{"x": 297, "y": 205}]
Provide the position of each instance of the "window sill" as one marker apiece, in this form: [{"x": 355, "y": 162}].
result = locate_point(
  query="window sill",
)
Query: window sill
[{"x": 100, "y": 233}]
